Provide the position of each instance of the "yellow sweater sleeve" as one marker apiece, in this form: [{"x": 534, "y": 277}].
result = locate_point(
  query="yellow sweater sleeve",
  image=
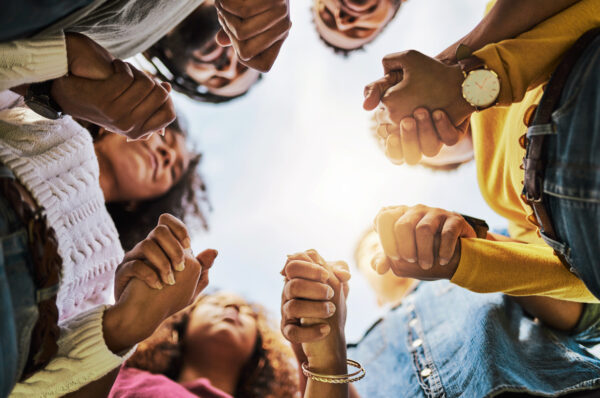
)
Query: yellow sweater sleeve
[
  {"x": 517, "y": 269},
  {"x": 528, "y": 60}
]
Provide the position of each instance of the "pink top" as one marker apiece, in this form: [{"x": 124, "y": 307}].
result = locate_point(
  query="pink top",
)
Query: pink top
[{"x": 133, "y": 383}]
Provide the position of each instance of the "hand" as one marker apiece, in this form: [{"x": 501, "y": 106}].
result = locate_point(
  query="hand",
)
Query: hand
[
  {"x": 255, "y": 28},
  {"x": 417, "y": 135},
  {"x": 111, "y": 93},
  {"x": 415, "y": 80},
  {"x": 140, "y": 310},
  {"x": 420, "y": 242},
  {"x": 314, "y": 309},
  {"x": 155, "y": 259}
]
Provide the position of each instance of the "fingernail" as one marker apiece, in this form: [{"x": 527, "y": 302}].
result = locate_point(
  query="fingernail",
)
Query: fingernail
[
  {"x": 421, "y": 115},
  {"x": 171, "y": 279},
  {"x": 437, "y": 115},
  {"x": 330, "y": 308},
  {"x": 408, "y": 124},
  {"x": 158, "y": 285},
  {"x": 324, "y": 329},
  {"x": 187, "y": 244},
  {"x": 180, "y": 266},
  {"x": 443, "y": 261},
  {"x": 425, "y": 264},
  {"x": 130, "y": 139},
  {"x": 329, "y": 292},
  {"x": 324, "y": 275},
  {"x": 411, "y": 260}
]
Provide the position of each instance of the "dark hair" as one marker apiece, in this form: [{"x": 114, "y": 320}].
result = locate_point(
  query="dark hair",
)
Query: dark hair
[
  {"x": 170, "y": 55},
  {"x": 269, "y": 373},
  {"x": 346, "y": 52},
  {"x": 184, "y": 200}
]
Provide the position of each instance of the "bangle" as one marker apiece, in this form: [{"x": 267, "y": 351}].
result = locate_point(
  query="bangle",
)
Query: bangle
[{"x": 336, "y": 379}]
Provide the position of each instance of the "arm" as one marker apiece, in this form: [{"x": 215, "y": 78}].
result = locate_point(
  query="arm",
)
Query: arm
[
  {"x": 429, "y": 244},
  {"x": 313, "y": 319},
  {"x": 90, "y": 343},
  {"x": 33, "y": 60},
  {"x": 505, "y": 20}
]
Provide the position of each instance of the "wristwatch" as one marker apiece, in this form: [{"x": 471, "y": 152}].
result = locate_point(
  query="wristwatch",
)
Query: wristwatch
[
  {"x": 480, "y": 226},
  {"x": 481, "y": 86},
  {"x": 39, "y": 100}
]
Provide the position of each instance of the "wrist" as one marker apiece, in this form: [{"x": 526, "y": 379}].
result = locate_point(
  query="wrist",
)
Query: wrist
[
  {"x": 329, "y": 361},
  {"x": 119, "y": 335},
  {"x": 462, "y": 108}
]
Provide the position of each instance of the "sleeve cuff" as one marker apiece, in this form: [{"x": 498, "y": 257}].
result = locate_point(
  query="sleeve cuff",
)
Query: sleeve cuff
[
  {"x": 33, "y": 60},
  {"x": 82, "y": 358}
]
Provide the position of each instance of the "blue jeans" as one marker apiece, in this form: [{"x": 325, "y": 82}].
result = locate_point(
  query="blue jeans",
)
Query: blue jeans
[
  {"x": 18, "y": 306},
  {"x": 448, "y": 342},
  {"x": 572, "y": 176}
]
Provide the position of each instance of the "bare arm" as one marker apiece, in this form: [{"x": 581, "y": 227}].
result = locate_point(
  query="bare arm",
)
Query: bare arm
[{"x": 507, "y": 19}]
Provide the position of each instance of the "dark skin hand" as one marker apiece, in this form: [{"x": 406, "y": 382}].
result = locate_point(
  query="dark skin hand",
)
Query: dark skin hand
[
  {"x": 256, "y": 29},
  {"x": 109, "y": 92}
]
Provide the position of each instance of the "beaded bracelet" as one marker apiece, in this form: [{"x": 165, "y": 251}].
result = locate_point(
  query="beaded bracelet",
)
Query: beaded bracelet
[{"x": 336, "y": 379}]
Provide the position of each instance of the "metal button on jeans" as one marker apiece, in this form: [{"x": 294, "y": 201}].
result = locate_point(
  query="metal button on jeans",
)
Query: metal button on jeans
[{"x": 426, "y": 372}]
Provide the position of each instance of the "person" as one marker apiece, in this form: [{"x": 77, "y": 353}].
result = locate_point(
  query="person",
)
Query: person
[
  {"x": 523, "y": 63},
  {"x": 91, "y": 88},
  {"x": 220, "y": 346},
  {"x": 441, "y": 341},
  {"x": 347, "y": 26},
  {"x": 72, "y": 185},
  {"x": 190, "y": 59}
]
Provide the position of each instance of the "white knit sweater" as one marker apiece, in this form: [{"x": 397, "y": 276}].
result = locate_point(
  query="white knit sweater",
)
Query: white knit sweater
[{"x": 55, "y": 161}]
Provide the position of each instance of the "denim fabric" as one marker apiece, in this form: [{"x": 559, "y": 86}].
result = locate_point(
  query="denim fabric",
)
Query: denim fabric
[
  {"x": 445, "y": 341},
  {"x": 23, "y": 18},
  {"x": 572, "y": 176},
  {"x": 18, "y": 306}
]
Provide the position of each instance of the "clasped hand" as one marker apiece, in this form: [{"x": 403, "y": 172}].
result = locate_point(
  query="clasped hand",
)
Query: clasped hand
[
  {"x": 111, "y": 93},
  {"x": 414, "y": 85}
]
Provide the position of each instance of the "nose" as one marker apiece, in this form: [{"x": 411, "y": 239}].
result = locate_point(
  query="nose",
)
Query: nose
[
  {"x": 228, "y": 69},
  {"x": 344, "y": 21},
  {"x": 167, "y": 155}
]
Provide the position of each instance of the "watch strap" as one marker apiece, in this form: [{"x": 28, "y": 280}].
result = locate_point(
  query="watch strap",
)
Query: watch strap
[
  {"x": 38, "y": 97},
  {"x": 480, "y": 226},
  {"x": 470, "y": 64}
]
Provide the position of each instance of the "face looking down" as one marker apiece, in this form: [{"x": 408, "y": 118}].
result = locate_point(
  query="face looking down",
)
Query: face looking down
[
  {"x": 140, "y": 170},
  {"x": 350, "y": 24}
]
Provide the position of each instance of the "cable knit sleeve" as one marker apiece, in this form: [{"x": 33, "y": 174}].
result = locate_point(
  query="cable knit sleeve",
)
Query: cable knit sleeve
[
  {"x": 32, "y": 60},
  {"x": 82, "y": 358}
]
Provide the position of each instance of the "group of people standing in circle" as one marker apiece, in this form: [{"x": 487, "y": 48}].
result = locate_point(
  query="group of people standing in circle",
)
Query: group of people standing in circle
[{"x": 101, "y": 293}]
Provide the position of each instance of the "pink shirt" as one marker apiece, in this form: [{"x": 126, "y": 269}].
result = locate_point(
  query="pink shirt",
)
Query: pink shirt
[{"x": 133, "y": 383}]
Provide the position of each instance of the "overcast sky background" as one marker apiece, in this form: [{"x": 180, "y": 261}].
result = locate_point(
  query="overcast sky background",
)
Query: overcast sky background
[{"x": 293, "y": 165}]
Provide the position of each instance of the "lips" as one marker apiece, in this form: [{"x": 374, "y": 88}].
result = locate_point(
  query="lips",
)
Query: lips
[
  {"x": 232, "y": 316},
  {"x": 357, "y": 7}
]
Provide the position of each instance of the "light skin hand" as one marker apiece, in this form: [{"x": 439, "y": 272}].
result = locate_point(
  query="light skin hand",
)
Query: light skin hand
[
  {"x": 140, "y": 309},
  {"x": 420, "y": 242},
  {"x": 256, "y": 29},
  {"x": 417, "y": 136},
  {"x": 155, "y": 259}
]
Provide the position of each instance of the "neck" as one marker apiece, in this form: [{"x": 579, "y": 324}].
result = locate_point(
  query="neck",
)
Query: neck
[
  {"x": 106, "y": 182},
  {"x": 222, "y": 374}
]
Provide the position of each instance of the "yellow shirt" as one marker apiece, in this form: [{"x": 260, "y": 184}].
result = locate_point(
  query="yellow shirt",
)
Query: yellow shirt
[{"x": 522, "y": 64}]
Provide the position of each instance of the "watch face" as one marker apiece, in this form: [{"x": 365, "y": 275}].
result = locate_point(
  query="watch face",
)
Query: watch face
[
  {"x": 42, "y": 109},
  {"x": 481, "y": 87}
]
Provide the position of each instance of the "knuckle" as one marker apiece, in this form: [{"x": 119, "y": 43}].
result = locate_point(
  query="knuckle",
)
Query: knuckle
[{"x": 424, "y": 229}]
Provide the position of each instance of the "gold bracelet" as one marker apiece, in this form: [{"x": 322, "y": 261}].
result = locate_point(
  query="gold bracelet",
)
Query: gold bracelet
[{"x": 336, "y": 379}]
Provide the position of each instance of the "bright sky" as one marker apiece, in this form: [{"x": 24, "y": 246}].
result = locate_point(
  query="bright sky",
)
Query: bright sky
[{"x": 293, "y": 165}]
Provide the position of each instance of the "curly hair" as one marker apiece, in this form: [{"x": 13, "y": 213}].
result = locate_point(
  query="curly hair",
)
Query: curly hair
[
  {"x": 269, "y": 373},
  {"x": 184, "y": 200}
]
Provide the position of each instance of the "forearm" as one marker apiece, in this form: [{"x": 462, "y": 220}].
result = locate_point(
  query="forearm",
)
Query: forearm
[
  {"x": 329, "y": 366},
  {"x": 35, "y": 60},
  {"x": 507, "y": 19},
  {"x": 517, "y": 269},
  {"x": 83, "y": 357}
]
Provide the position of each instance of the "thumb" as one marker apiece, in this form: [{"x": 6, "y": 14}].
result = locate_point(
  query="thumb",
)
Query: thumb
[
  {"x": 374, "y": 91},
  {"x": 401, "y": 60},
  {"x": 222, "y": 38},
  {"x": 206, "y": 258},
  {"x": 89, "y": 60}
]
